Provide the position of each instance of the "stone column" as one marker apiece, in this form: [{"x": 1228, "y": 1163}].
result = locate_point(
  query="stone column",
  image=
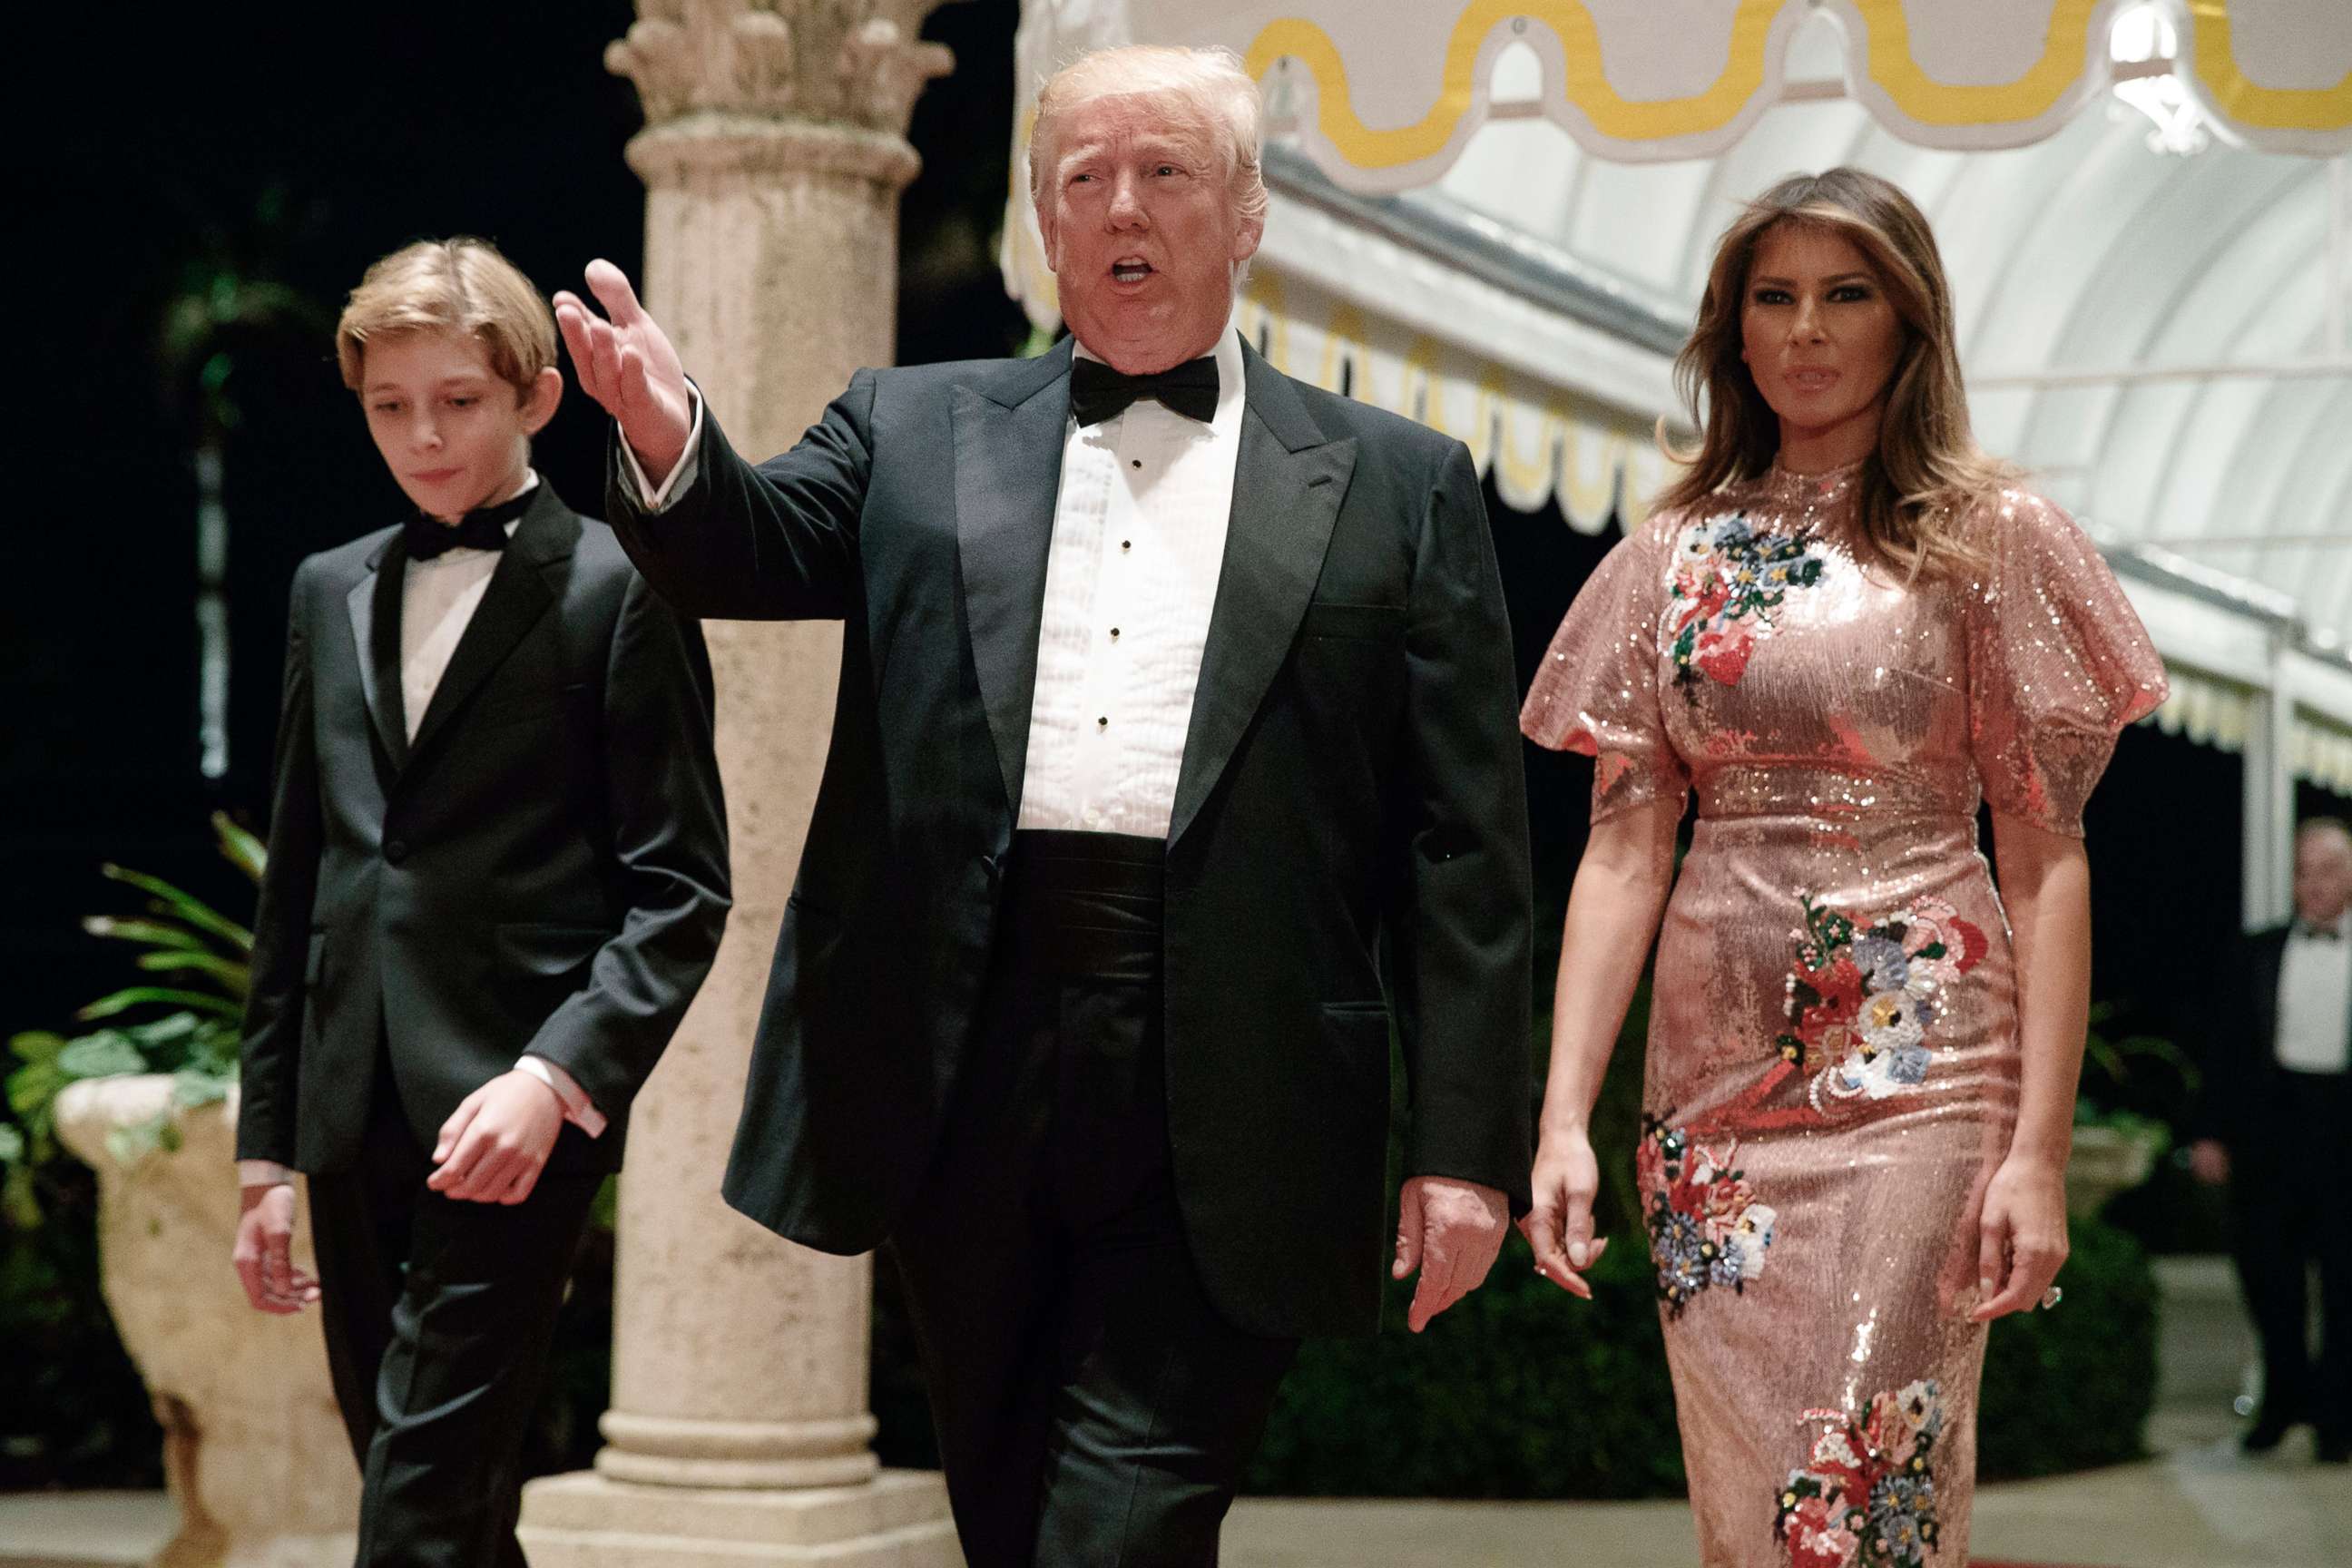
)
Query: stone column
[{"x": 773, "y": 155}]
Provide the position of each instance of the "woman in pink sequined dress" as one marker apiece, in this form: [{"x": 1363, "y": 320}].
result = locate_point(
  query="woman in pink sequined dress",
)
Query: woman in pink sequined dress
[{"x": 1843, "y": 628}]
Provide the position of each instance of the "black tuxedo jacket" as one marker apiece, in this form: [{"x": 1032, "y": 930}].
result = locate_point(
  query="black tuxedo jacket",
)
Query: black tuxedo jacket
[
  {"x": 2239, "y": 1102},
  {"x": 544, "y": 870},
  {"x": 1351, "y": 784}
]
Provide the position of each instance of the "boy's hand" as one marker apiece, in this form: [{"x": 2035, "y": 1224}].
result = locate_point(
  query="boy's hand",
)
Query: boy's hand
[
  {"x": 495, "y": 1143},
  {"x": 264, "y": 1254},
  {"x": 627, "y": 365}
]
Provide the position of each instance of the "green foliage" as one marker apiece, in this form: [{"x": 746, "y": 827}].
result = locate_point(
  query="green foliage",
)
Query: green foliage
[
  {"x": 193, "y": 1039},
  {"x": 2144, "y": 1086},
  {"x": 1520, "y": 1391},
  {"x": 2146, "y": 1076},
  {"x": 77, "y": 1413}
]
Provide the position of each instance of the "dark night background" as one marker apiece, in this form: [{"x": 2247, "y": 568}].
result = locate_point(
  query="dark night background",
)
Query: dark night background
[{"x": 299, "y": 142}]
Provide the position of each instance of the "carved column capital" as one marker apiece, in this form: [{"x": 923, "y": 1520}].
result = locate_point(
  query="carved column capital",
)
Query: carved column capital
[{"x": 853, "y": 63}]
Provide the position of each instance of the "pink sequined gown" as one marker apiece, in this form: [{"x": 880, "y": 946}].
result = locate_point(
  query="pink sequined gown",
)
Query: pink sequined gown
[{"x": 1833, "y": 1070}]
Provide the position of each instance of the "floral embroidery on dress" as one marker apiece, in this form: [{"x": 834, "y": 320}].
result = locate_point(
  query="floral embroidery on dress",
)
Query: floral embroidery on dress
[
  {"x": 1706, "y": 1226},
  {"x": 1867, "y": 1498},
  {"x": 1728, "y": 580},
  {"x": 1863, "y": 998}
]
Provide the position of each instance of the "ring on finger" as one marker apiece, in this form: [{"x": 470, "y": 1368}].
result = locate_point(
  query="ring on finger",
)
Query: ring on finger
[{"x": 2051, "y": 1297}]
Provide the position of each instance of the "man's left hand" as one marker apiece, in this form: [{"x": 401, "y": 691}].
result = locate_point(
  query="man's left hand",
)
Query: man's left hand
[
  {"x": 1451, "y": 1231},
  {"x": 495, "y": 1143}
]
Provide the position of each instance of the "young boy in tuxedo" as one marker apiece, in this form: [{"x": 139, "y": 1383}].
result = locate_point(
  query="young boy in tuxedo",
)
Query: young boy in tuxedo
[{"x": 496, "y": 875}]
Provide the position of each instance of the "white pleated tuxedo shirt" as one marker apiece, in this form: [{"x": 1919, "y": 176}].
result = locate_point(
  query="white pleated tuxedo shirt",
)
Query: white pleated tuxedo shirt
[
  {"x": 437, "y": 601},
  {"x": 1131, "y": 576},
  {"x": 2314, "y": 1004}
]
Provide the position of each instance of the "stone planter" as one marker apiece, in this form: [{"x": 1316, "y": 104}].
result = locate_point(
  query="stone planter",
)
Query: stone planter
[
  {"x": 2106, "y": 1161},
  {"x": 254, "y": 1450}
]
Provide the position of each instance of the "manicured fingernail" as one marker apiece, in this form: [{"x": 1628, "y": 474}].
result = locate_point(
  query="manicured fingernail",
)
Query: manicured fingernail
[
  {"x": 1576, "y": 1253},
  {"x": 1985, "y": 1285}
]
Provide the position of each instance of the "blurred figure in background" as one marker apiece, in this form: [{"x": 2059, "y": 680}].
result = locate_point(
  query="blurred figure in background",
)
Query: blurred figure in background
[{"x": 2272, "y": 1123}]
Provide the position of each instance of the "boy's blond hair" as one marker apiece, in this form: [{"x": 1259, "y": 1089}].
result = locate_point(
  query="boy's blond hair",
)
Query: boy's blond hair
[{"x": 458, "y": 284}]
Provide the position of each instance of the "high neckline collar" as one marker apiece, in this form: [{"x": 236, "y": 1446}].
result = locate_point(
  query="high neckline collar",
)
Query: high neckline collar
[{"x": 1813, "y": 488}]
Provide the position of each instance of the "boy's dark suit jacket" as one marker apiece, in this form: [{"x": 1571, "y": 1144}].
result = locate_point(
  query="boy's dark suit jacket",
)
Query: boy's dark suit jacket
[
  {"x": 544, "y": 870},
  {"x": 1351, "y": 781}
]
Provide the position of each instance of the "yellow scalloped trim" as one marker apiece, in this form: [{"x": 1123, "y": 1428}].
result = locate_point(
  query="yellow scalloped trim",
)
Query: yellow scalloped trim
[
  {"x": 1345, "y": 339},
  {"x": 2247, "y": 101},
  {"x": 1263, "y": 293},
  {"x": 1514, "y": 475},
  {"x": 1629, "y": 120},
  {"x": 2065, "y": 60}
]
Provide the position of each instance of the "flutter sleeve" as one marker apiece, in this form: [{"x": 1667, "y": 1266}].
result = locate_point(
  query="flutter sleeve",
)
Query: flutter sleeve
[
  {"x": 1597, "y": 691},
  {"x": 2058, "y": 663}
]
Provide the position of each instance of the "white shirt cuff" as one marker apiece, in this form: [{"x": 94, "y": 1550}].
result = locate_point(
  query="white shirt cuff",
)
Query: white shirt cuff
[
  {"x": 656, "y": 498},
  {"x": 578, "y": 1109},
  {"x": 261, "y": 1174}
]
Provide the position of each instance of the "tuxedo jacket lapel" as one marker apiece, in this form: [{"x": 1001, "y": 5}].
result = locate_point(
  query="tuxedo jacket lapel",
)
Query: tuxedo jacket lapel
[
  {"x": 518, "y": 596},
  {"x": 1008, "y": 472},
  {"x": 374, "y": 606},
  {"x": 1289, "y": 482}
]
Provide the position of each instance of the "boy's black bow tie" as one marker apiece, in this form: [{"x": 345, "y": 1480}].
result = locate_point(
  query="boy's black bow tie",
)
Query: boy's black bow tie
[
  {"x": 485, "y": 529},
  {"x": 1098, "y": 393}
]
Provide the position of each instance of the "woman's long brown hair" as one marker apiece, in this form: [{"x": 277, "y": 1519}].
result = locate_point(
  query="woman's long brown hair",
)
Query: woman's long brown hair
[{"x": 1927, "y": 466}]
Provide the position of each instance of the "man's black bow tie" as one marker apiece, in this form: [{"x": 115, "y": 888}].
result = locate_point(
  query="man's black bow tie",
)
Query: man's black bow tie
[
  {"x": 428, "y": 537},
  {"x": 1098, "y": 393},
  {"x": 2324, "y": 934}
]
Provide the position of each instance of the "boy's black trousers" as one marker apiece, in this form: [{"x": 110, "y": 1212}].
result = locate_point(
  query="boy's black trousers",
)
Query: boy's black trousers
[{"x": 439, "y": 1316}]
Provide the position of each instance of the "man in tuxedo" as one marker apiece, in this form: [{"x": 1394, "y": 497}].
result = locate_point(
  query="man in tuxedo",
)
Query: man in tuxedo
[
  {"x": 496, "y": 875},
  {"x": 1173, "y": 761},
  {"x": 2272, "y": 1123}
]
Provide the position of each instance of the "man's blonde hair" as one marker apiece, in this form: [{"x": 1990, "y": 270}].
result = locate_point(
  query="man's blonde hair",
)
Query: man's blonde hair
[
  {"x": 1206, "y": 93},
  {"x": 459, "y": 284}
]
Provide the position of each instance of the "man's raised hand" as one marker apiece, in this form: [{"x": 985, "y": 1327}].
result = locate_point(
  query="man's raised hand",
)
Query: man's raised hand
[{"x": 624, "y": 362}]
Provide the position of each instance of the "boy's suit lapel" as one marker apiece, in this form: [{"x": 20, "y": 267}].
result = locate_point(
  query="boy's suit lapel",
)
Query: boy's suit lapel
[
  {"x": 519, "y": 595},
  {"x": 374, "y": 606}
]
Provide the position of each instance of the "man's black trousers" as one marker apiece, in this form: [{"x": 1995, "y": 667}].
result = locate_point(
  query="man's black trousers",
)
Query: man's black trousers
[
  {"x": 1093, "y": 1409},
  {"x": 2287, "y": 1216}
]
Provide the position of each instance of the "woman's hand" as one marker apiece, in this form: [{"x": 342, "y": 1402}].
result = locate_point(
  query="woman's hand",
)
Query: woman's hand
[
  {"x": 1559, "y": 1227},
  {"x": 2023, "y": 1239}
]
